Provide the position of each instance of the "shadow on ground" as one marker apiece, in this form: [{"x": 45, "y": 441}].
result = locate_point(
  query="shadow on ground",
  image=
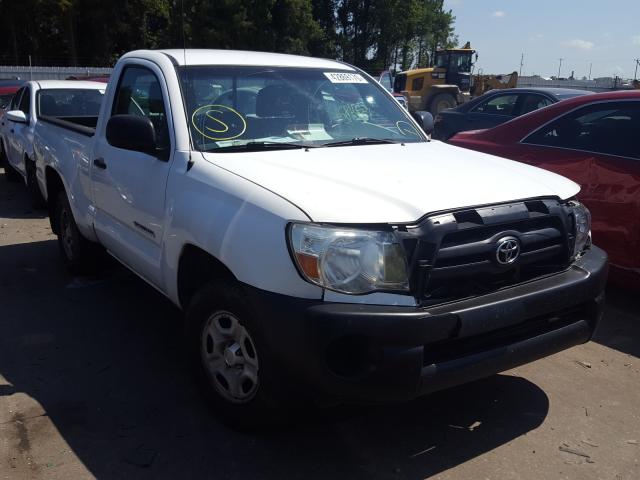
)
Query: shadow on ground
[
  {"x": 103, "y": 357},
  {"x": 14, "y": 200},
  {"x": 620, "y": 329}
]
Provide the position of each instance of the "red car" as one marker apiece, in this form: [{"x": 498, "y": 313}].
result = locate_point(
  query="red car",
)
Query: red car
[
  {"x": 595, "y": 141},
  {"x": 6, "y": 94}
]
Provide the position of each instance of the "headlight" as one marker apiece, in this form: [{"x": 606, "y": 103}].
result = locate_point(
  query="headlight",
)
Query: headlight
[
  {"x": 582, "y": 218},
  {"x": 349, "y": 260}
]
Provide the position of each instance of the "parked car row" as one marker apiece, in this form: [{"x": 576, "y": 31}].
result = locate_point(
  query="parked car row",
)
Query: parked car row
[
  {"x": 496, "y": 107},
  {"x": 322, "y": 246}
]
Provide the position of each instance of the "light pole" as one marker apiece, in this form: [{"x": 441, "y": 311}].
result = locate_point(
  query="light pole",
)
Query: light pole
[
  {"x": 559, "y": 67},
  {"x": 635, "y": 75},
  {"x": 521, "y": 64}
]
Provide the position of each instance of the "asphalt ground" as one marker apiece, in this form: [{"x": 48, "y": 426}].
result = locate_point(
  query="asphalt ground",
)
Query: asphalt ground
[{"x": 94, "y": 383}]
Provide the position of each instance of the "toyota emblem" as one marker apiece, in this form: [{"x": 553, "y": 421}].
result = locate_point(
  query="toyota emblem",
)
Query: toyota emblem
[{"x": 508, "y": 250}]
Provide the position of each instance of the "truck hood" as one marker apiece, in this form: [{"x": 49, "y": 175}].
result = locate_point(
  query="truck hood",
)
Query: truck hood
[{"x": 391, "y": 183}]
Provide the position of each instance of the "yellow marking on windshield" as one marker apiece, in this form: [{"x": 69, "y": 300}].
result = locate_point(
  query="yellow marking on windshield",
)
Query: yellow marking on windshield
[
  {"x": 219, "y": 119},
  {"x": 225, "y": 126}
]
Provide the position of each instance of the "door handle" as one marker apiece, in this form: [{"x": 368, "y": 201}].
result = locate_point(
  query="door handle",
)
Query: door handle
[{"x": 100, "y": 163}]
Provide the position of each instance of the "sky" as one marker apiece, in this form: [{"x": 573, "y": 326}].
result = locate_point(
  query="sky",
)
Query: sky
[{"x": 604, "y": 33}]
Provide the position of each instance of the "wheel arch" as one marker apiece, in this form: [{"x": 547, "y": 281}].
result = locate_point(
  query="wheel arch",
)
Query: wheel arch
[
  {"x": 197, "y": 267},
  {"x": 54, "y": 185}
]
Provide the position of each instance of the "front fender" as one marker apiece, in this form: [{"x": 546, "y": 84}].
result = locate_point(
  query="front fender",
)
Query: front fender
[{"x": 236, "y": 221}]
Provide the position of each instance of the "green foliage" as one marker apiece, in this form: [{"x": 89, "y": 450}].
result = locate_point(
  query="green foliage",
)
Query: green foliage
[{"x": 373, "y": 34}]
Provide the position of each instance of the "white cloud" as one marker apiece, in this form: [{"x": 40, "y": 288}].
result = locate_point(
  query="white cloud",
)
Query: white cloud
[
  {"x": 635, "y": 39},
  {"x": 579, "y": 44},
  {"x": 499, "y": 14}
]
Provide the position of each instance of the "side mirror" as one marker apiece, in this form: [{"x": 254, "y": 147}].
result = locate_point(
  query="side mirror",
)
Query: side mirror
[
  {"x": 425, "y": 119},
  {"x": 132, "y": 132},
  {"x": 17, "y": 116}
]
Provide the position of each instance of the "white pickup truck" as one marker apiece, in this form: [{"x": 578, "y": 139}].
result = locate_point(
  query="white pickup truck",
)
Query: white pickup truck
[
  {"x": 321, "y": 245},
  {"x": 73, "y": 101}
]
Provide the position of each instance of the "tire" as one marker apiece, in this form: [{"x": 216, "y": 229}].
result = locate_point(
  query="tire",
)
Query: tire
[
  {"x": 79, "y": 255},
  {"x": 441, "y": 102},
  {"x": 9, "y": 173},
  {"x": 35, "y": 195},
  {"x": 231, "y": 360}
]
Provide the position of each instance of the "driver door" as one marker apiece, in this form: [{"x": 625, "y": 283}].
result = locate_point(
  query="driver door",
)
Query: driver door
[{"x": 129, "y": 186}]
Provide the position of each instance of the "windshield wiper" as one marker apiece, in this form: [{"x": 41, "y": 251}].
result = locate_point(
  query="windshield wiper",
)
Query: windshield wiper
[
  {"x": 259, "y": 147},
  {"x": 359, "y": 141}
]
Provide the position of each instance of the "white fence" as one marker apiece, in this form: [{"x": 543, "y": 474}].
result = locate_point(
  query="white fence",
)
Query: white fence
[
  {"x": 50, "y": 73},
  {"x": 597, "y": 85}
]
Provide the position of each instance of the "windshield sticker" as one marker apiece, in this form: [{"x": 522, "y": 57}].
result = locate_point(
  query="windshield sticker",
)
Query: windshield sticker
[
  {"x": 340, "y": 77},
  {"x": 308, "y": 132},
  {"x": 218, "y": 122}
]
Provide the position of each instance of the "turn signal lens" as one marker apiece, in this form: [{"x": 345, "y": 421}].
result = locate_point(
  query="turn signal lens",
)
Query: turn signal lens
[{"x": 309, "y": 265}]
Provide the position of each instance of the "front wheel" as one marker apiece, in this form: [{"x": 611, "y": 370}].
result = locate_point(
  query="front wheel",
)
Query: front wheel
[
  {"x": 441, "y": 102},
  {"x": 232, "y": 363}
]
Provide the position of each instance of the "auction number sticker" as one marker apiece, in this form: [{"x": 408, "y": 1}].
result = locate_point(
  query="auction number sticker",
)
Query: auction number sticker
[{"x": 341, "y": 77}]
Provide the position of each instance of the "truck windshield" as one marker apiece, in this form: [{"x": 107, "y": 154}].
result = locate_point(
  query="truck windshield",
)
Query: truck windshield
[{"x": 233, "y": 106}]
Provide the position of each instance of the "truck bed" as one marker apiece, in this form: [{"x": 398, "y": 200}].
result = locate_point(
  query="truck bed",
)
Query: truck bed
[{"x": 85, "y": 125}]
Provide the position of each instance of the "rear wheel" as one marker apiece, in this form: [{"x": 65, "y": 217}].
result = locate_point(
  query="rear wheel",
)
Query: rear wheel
[
  {"x": 440, "y": 102},
  {"x": 78, "y": 254},
  {"x": 233, "y": 365}
]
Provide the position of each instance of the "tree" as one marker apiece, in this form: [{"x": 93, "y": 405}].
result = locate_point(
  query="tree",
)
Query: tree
[{"x": 372, "y": 34}]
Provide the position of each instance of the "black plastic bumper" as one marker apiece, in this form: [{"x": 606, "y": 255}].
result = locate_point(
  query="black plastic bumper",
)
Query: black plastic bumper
[{"x": 357, "y": 353}]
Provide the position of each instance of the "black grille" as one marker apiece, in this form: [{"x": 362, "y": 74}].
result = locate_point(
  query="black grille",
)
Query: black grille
[{"x": 453, "y": 255}]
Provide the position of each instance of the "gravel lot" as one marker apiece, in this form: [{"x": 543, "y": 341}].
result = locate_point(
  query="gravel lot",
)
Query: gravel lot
[{"x": 93, "y": 383}]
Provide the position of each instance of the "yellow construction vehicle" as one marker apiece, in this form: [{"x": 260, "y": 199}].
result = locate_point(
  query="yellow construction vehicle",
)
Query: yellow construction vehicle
[
  {"x": 439, "y": 87},
  {"x": 448, "y": 83}
]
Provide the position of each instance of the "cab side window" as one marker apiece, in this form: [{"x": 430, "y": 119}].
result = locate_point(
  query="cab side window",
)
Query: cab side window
[
  {"x": 139, "y": 93},
  {"x": 498, "y": 105},
  {"x": 610, "y": 128}
]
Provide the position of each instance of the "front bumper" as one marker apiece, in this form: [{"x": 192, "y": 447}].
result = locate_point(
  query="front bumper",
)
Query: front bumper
[{"x": 354, "y": 353}]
